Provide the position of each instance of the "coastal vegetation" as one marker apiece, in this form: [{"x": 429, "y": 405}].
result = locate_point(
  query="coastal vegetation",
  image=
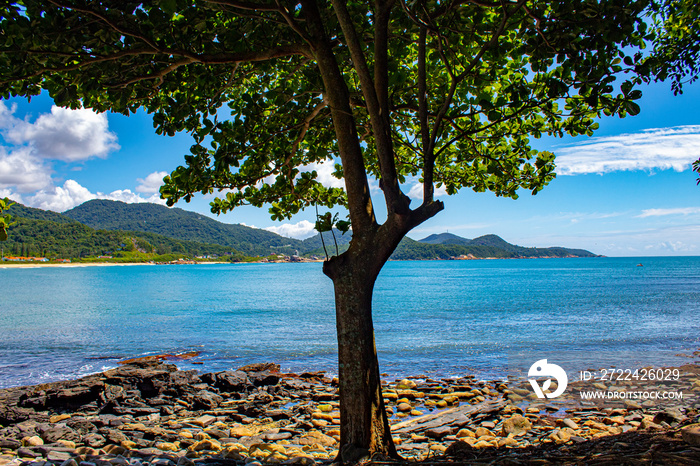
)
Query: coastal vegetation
[
  {"x": 118, "y": 232},
  {"x": 446, "y": 94},
  {"x": 39, "y": 233}
]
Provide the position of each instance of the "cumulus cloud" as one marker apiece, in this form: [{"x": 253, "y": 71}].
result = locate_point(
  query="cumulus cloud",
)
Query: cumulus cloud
[
  {"x": 22, "y": 171},
  {"x": 416, "y": 191},
  {"x": 653, "y": 149},
  {"x": 152, "y": 183},
  {"x": 72, "y": 193},
  {"x": 63, "y": 134},
  {"x": 324, "y": 173},
  {"x": 673, "y": 211},
  {"x": 301, "y": 230}
]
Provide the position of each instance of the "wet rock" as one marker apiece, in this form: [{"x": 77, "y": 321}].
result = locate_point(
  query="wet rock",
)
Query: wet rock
[
  {"x": 261, "y": 367},
  {"x": 263, "y": 378},
  {"x": 228, "y": 381},
  {"x": 204, "y": 399},
  {"x": 438, "y": 432},
  {"x": 516, "y": 425}
]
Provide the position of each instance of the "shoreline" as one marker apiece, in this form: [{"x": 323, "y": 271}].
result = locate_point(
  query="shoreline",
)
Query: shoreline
[{"x": 152, "y": 413}]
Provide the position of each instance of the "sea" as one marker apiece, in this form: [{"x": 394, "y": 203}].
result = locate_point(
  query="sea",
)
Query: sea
[{"x": 431, "y": 318}]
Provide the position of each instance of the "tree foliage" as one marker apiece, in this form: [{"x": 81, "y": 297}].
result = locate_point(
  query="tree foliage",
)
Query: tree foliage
[
  {"x": 447, "y": 93},
  {"x": 5, "y": 218},
  {"x": 676, "y": 43},
  {"x": 459, "y": 87}
]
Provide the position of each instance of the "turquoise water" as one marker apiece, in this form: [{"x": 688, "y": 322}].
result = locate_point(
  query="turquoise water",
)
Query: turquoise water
[{"x": 431, "y": 317}]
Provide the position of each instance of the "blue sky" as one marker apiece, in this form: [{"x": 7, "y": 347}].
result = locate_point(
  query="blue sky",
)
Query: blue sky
[{"x": 627, "y": 191}]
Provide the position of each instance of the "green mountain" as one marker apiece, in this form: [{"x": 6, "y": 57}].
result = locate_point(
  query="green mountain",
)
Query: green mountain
[
  {"x": 19, "y": 210},
  {"x": 63, "y": 237},
  {"x": 445, "y": 238},
  {"x": 182, "y": 225},
  {"x": 446, "y": 245},
  {"x": 99, "y": 226}
]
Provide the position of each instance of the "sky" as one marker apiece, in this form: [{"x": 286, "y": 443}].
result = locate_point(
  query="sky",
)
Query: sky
[{"x": 627, "y": 191}]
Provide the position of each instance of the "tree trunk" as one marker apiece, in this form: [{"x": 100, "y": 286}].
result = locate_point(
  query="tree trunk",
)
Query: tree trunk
[{"x": 364, "y": 425}]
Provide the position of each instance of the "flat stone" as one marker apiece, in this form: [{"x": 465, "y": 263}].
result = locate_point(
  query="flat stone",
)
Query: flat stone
[
  {"x": 58, "y": 455},
  {"x": 691, "y": 434},
  {"x": 204, "y": 421},
  {"x": 569, "y": 423}
]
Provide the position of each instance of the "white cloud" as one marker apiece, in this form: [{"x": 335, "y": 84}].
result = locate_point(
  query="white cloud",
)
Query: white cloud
[
  {"x": 674, "y": 211},
  {"x": 72, "y": 193},
  {"x": 22, "y": 171},
  {"x": 324, "y": 173},
  {"x": 653, "y": 149},
  {"x": 152, "y": 183},
  {"x": 301, "y": 230},
  {"x": 416, "y": 191},
  {"x": 63, "y": 134}
]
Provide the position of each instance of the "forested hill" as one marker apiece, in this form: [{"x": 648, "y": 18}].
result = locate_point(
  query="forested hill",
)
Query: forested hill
[
  {"x": 447, "y": 245},
  {"x": 178, "y": 230},
  {"x": 181, "y": 224},
  {"x": 64, "y": 238}
]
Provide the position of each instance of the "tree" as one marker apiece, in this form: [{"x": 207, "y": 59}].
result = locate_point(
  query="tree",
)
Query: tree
[
  {"x": 5, "y": 219},
  {"x": 447, "y": 93},
  {"x": 676, "y": 47}
]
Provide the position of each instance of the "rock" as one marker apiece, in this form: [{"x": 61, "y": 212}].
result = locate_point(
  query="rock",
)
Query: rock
[
  {"x": 263, "y": 378},
  {"x": 9, "y": 443},
  {"x": 208, "y": 444},
  {"x": 438, "y": 432},
  {"x": 59, "y": 456},
  {"x": 691, "y": 434},
  {"x": 465, "y": 433},
  {"x": 670, "y": 416},
  {"x": 241, "y": 431},
  {"x": 53, "y": 432},
  {"x": 32, "y": 441},
  {"x": 204, "y": 399},
  {"x": 482, "y": 432},
  {"x": 630, "y": 404},
  {"x": 516, "y": 425},
  {"x": 649, "y": 424},
  {"x": 58, "y": 418},
  {"x": 507, "y": 442},
  {"x": 94, "y": 440},
  {"x": 404, "y": 407},
  {"x": 315, "y": 436},
  {"x": 86, "y": 451},
  {"x": 458, "y": 449},
  {"x": 204, "y": 421},
  {"x": 114, "y": 449},
  {"x": 261, "y": 367},
  {"x": 184, "y": 461},
  {"x": 66, "y": 443},
  {"x": 406, "y": 384},
  {"x": 325, "y": 408},
  {"x": 569, "y": 423},
  {"x": 167, "y": 446}
]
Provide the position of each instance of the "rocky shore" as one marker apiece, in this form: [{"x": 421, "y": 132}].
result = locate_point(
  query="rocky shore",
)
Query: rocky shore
[{"x": 150, "y": 413}]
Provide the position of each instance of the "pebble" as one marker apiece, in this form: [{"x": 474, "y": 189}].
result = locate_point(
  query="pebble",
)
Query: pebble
[{"x": 289, "y": 419}]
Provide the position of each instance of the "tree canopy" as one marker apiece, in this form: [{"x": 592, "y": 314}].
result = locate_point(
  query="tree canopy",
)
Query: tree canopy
[
  {"x": 5, "y": 218},
  {"x": 448, "y": 93}
]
